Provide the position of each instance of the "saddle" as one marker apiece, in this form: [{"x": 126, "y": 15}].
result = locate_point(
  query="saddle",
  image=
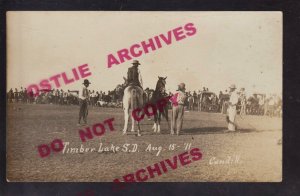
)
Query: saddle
[{"x": 133, "y": 83}]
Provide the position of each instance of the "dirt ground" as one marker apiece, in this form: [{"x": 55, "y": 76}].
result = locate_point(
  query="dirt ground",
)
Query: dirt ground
[{"x": 255, "y": 147}]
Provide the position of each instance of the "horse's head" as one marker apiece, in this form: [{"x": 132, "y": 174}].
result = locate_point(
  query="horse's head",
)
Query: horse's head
[
  {"x": 125, "y": 81},
  {"x": 160, "y": 85}
]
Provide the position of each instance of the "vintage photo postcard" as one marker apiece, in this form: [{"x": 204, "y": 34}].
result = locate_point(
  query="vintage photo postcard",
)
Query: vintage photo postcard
[{"x": 104, "y": 96}]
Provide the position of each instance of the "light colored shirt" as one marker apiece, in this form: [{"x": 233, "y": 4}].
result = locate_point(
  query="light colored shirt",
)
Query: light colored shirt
[
  {"x": 272, "y": 102},
  {"x": 84, "y": 94},
  {"x": 261, "y": 101},
  {"x": 178, "y": 98},
  {"x": 234, "y": 98}
]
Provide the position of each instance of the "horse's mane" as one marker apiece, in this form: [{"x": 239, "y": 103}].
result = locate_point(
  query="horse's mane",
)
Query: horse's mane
[
  {"x": 157, "y": 94},
  {"x": 157, "y": 84}
]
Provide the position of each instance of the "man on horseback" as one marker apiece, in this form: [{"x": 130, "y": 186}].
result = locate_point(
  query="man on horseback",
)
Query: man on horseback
[
  {"x": 134, "y": 75},
  {"x": 133, "y": 95}
]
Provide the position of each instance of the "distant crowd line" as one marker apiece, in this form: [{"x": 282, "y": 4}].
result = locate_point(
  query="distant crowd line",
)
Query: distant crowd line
[
  {"x": 201, "y": 100},
  {"x": 57, "y": 96}
]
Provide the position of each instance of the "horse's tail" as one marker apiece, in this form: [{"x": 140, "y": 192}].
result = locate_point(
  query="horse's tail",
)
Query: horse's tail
[
  {"x": 134, "y": 99},
  {"x": 165, "y": 113}
]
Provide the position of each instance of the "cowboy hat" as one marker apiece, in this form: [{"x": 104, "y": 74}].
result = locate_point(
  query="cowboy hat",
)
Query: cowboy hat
[
  {"x": 86, "y": 81},
  {"x": 135, "y": 62},
  {"x": 232, "y": 86}
]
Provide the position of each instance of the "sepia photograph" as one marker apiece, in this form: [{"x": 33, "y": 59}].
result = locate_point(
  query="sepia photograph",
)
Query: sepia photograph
[{"x": 141, "y": 96}]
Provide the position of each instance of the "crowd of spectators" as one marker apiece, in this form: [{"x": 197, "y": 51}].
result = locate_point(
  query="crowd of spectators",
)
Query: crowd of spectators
[
  {"x": 201, "y": 100},
  {"x": 56, "y": 96}
]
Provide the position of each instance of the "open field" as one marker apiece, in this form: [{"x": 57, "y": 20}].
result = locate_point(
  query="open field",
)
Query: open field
[{"x": 256, "y": 145}]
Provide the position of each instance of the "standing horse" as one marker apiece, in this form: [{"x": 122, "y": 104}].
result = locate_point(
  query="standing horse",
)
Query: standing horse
[
  {"x": 159, "y": 94},
  {"x": 132, "y": 99}
]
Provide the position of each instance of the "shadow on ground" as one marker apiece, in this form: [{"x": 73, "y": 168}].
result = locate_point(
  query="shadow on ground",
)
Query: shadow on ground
[
  {"x": 198, "y": 131},
  {"x": 212, "y": 130}
]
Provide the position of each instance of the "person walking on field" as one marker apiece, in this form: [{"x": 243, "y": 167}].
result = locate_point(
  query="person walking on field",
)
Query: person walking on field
[
  {"x": 234, "y": 98},
  {"x": 178, "y": 101},
  {"x": 84, "y": 97}
]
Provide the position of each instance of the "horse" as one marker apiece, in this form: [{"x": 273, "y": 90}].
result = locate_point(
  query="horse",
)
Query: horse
[
  {"x": 159, "y": 94},
  {"x": 132, "y": 99}
]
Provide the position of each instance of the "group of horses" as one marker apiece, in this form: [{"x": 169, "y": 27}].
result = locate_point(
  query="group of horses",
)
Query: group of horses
[{"x": 133, "y": 98}]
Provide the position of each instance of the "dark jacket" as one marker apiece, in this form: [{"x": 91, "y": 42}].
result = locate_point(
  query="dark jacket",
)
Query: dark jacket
[{"x": 133, "y": 76}]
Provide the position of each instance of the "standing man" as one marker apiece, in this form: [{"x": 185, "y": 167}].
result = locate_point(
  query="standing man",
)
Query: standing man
[
  {"x": 10, "y": 95},
  {"x": 178, "y": 101},
  {"x": 56, "y": 96},
  {"x": 190, "y": 101},
  {"x": 21, "y": 94},
  {"x": 65, "y": 98},
  {"x": 234, "y": 98},
  {"x": 134, "y": 75},
  {"x": 16, "y": 95},
  {"x": 61, "y": 97},
  {"x": 83, "y": 102}
]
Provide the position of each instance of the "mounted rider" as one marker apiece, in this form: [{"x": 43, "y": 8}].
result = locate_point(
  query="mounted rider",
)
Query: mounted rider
[
  {"x": 133, "y": 95},
  {"x": 134, "y": 76}
]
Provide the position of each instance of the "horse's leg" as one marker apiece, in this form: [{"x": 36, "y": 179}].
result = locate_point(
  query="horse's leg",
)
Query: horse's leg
[
  {"x": 140, "y": 105},
  {"x": 139, "y": 129},
  {"x": 158, "y": 121},
  {"x": 155, "y": 123},
  {"x": 132, "y": 123},
  {"x": 126, "y": 118}
]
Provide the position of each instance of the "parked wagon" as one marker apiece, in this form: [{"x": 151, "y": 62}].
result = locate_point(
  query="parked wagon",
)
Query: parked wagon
[{"x": 208, "y": 102}]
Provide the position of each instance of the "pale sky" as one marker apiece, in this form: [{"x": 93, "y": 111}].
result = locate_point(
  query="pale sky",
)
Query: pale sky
[{"x": 244, "y": 48}]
